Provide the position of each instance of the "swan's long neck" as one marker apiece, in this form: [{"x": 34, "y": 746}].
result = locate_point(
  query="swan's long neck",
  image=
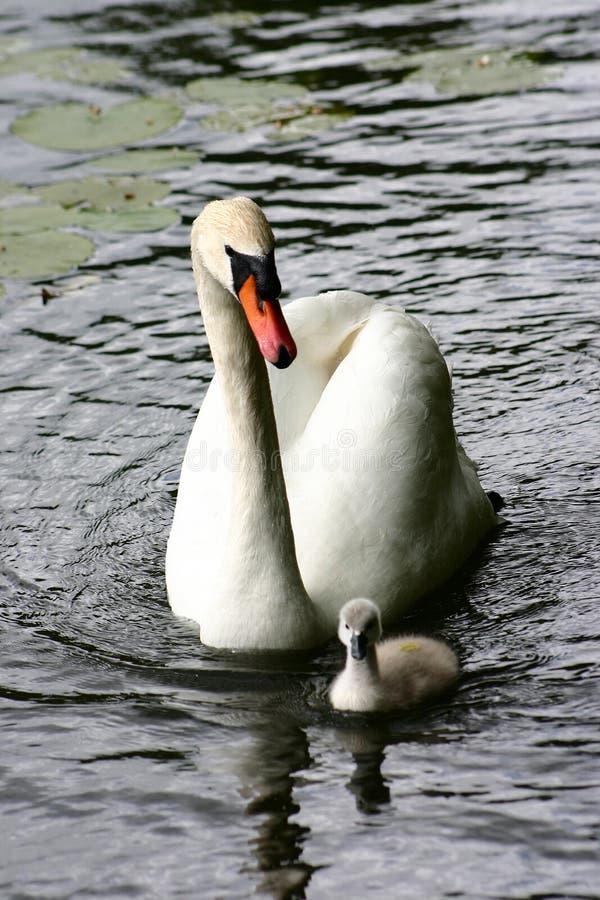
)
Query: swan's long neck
[{"x": 260, "y": 559}]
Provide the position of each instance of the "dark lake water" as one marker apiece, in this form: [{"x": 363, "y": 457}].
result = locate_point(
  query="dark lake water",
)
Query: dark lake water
[{"x": 134, "y": 761}]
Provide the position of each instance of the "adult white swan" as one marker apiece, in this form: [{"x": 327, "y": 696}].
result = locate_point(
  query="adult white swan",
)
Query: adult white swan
[{"x": 381, "y": 499}]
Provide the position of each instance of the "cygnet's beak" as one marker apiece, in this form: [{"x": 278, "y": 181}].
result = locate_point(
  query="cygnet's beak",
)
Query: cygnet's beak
[
  {"x": 268, "y": 325},
  {"x": 358, "y": 645}
]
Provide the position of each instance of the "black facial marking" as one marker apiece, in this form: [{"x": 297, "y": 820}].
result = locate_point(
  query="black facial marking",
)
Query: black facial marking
[{"x": 263, "y": 268}]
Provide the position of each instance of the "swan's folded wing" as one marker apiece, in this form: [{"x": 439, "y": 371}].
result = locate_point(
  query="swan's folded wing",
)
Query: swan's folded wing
[{"x": 374, "y": 480}]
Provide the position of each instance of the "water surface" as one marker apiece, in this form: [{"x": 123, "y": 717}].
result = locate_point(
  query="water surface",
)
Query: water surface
[{"x": 137, "y": 763}]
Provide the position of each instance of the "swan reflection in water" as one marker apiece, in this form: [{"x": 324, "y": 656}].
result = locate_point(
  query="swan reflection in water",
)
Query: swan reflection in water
[
  {"x": 267, "y": 775},
  {"x": 271, "y": 773}
]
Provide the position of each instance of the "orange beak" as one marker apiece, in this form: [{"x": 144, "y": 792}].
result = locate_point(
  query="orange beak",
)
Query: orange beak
[{"x": 268, "y": 325}]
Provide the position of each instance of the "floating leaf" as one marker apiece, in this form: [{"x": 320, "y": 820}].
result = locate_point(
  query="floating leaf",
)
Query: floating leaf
[
  {"x": 42, "y": 253},
  {"x": 68, "y": 286},
  {"x": 10, "y": 45},
  {"x": 11, "y": 193},
  {"x": 238, "y": 92},
  {"x": 7, "y": 187},
  {"x": 243, "y": 118},
  {"x": 236, "y": 19},
  {"x": 105, "y": 193},
  {"x": 462, "y": 71},
  {"x": 149, "y": 218},
  {"x": 2, "y": 291},
  {"x": 66, "y": 64},
  {"x": 81, "y": 127},
  {"x": 289, "y": 123},
  {"x": 147, "y": 160},
  {"x": 249, "y": 104},
  {"x": 25, "y": 219},
  {"x": 73, "y": 284},
  {"x": 305, "y": 125}
]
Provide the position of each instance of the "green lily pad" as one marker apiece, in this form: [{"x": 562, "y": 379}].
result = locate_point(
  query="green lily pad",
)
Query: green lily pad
[
  {"x": 247, "y": 104},
  {"x": 11, "y": 193},
  {"x": 74, "y": 284},
  {"x": 25, "y": 219},
  {"x": 238, "y": 92},
  {"x": 243, "y": 118},
  {"x": 2, "y": 291},
  {"x": 7, "y": 187},
  {"x": 80, "y": 127},
  {"x": 66, "y": 64},
  {"x": 290, "y": 123},
  {"x": 462, "y": 71},
  {"x": 149, "y": 218},
  {"x": 105, "y": 193},
  {"x": 235, "y": 19},
  {"x": 42, "y": 253},
  {"x": 299, "y": 127},
  {"x": 67, "y": 286},
  {"x": 147, "y": 160},
  {"x": 10, "y": 45}
]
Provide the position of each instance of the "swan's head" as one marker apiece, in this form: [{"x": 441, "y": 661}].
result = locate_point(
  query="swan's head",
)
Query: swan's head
[
  {"x": 234, "y": 242},
  {"x": 359, "y": 626}
]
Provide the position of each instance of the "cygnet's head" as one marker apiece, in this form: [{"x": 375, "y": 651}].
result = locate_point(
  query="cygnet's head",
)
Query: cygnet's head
[
  {"x": 232, "y": 240},
  {"x": 359, "y": 626}
]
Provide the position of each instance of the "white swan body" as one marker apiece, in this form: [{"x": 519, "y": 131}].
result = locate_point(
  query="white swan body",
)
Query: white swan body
[
  {"x": 398, "y": 672},
  {"x": 383, "y": 500}
]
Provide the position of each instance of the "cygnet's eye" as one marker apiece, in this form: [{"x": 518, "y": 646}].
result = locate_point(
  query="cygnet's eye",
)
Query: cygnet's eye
[{"x": 346, "y": 626}]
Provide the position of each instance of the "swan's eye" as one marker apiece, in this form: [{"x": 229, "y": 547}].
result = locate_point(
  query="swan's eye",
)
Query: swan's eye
[{"x": 346, "y": 626}]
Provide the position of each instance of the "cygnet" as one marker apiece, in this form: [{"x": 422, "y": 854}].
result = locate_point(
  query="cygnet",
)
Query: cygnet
[{"x": 398, "y": 672}]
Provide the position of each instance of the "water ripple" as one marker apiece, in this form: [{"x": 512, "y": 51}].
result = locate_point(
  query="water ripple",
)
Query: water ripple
[{"x": 139, "y": 763}]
